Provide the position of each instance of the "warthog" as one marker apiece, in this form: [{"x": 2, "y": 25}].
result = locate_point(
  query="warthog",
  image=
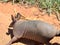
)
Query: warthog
[{"x": 33, "y": 29}]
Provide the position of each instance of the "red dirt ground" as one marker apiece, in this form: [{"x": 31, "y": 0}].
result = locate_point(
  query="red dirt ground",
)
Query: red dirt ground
[{"x": 32, "y": 13}]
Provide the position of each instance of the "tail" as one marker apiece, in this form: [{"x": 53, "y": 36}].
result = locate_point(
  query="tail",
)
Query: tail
[{"x": 58, "y": 33}]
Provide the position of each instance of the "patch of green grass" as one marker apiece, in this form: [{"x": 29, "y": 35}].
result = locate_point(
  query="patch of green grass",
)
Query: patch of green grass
[{"x": 49, "y": 5}]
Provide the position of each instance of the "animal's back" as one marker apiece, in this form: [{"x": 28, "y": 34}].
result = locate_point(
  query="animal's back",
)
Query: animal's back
[
  {"x": 46, "y": 29},
  {"x": 24, "y": 26},
  {"x": 35, "y": 30}
]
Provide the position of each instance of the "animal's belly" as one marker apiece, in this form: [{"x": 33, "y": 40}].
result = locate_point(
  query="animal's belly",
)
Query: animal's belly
[{"x": 36, "y": 37}]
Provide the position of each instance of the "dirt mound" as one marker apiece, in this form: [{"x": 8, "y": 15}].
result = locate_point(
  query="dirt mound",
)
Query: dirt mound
[{"x": 32, "y": 13}]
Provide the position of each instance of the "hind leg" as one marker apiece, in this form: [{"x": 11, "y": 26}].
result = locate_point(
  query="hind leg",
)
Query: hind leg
[{"x": 12, "y": 40}]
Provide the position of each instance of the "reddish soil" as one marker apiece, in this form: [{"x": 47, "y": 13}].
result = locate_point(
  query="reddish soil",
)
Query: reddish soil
[{"x": 31, "y": 13}]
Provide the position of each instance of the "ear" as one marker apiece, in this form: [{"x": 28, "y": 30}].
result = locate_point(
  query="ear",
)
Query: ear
[
  {"x": 18, "y": 16},
  {"x": 13, "y": 19}
]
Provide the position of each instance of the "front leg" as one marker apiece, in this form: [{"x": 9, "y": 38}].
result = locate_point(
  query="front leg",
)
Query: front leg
[{"x": 12, "y": 40}]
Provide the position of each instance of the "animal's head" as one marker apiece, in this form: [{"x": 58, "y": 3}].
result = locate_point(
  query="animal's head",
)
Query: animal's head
[{"x": 15, "y": 19}]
